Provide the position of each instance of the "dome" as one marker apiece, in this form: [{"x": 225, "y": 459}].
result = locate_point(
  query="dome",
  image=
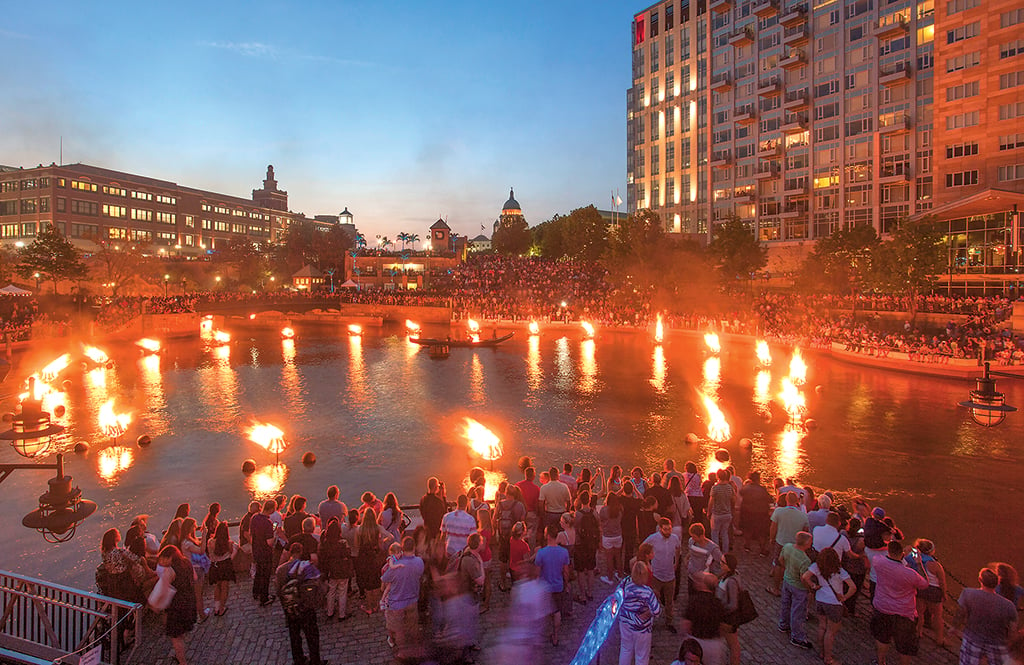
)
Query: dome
[{"x": 511, "y": 204}]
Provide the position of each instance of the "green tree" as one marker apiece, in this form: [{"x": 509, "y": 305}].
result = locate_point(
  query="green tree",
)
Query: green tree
[
  {"x": 116, "y": 266},
  {"x": 909, "y": 262},
  {"x": 52, "y": 256},
  {"x": 735, "y": 251},
  {"x": 842, "y": 262},
  {"x": 584, "y": 234},
  {"x": 547, "y": 238},
  {"x": 512, "y": 236}
]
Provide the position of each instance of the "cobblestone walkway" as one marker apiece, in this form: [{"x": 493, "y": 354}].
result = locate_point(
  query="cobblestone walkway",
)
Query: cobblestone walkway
[{"x": 250, "y": 635}]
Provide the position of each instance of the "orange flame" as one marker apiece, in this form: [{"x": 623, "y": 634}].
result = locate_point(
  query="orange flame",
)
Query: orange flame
[
  {"x": 98, "y": 356},
  {"x": 534, "y": 328},
  {"x": 718, "y": 427},
  {"x": 412, "y": 327},
  {"x": 793, "y": 400},
  {"x": 588, "y": 329},
  {"x": 482, "y": 441},
  {"x": 764, "y": 355},
  {"x": 113, "y": 424},
  {"x": 797, "y": 368},
  {"x": 149, "y": 345},
  {"x": 206, "y": 325},
  {"x": 354, "y": 329},
  {"x": 473, "y": 326},
  {"x": 50, "y": 372},
  {"x": 268, "y": 437},
  {"x": 221, "y": 337},
  {"x": 659, "y": 331},
  {"x": 287, "y": 332},
  {"x": 711, "y": 341}
]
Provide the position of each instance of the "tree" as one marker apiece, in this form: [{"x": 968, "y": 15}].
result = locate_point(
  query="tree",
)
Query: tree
[
  {"x": 116, "y": 266},
  {"x": 52, "y": 256},
  {"x": 584, "y": 234},
  {"x": 413, "y": 238},
  {"x": 512, "y": 236},
  {"x": 403, "y": 237},
  {"x": 909, "y": 262},
  {"x": 735, "y": 251},
  {"x": 842, "y": 262}
]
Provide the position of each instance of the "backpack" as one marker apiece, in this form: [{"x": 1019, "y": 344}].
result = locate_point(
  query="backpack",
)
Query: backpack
[
  {"x": 589, "y": 531},
  {"x": 505, "y": 517},
  {"x": 301, "y": 593}
]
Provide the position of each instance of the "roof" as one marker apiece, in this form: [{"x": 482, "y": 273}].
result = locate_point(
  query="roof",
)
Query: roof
[
  {"x": 308, "y": 271},
  {"x": 481, "y": 238},
  {"x": 440, "y": 224},
  {"x": 511, "y": 204},
  {"x": 983, "y": 203}
]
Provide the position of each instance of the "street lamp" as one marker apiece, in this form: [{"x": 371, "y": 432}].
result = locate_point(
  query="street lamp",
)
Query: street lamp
[
  {"x": 987, "y": 405},
  {"x": 166, "y": 279},
  {"x": 38, "y": 277},
  {"x": 217, "y": 279}
]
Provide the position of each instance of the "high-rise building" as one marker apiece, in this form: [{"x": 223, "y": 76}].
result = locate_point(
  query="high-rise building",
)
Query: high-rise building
[{"x": 803, "y": 118}]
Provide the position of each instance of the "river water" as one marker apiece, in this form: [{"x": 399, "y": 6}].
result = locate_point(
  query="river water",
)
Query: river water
[{"x": 380, "y": 415}]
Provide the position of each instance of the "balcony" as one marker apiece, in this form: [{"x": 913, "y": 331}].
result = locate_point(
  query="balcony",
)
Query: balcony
[
  {"x": 721, "y": 6},
  {"x": 766, "y": 170},
  {"x": 798, "y": 188},
  {"x": 745, "y": 115},
  {"x": 895, "y": 75},
  {"x": 748, "y": 196},
  {"x": 795, "y": 36},
  {"x": 892, "y": 26},
  {"x": 721, "y": 82},
  {"x": 721, "y": 160},
  {"x": 796, "y": 209},
  {"x": 792, "y": 17},
  {"x": 898, "y": 124},
  {"x": 742, "y": 37},
  {"x": 770, "y": 148},
  {"x": 796, "y": 100},
  {"x": 795, "y": 123},
  {"x": 894, "y": 176},
  {"x": 769, "y": 87},
  {"x": 765, "y": 8},
  {"x": 795, "y": 58}
]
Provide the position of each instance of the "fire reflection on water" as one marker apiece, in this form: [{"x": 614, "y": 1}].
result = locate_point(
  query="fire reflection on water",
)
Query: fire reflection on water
[
  {"x": 563, "y": 366},
  {"x": 712, "y": 373},
  {"x": 291, "y": 382},
  {"x": 267, "y": 481},
  {"x": 217, "y": 386},
  {"x": 658, "y": 370},
  {"x": 477, "y": 392},
  {"x": 534, "y": 374},
  {"x": 151, "y": 380},
  {"x": 357, "y": 393},
  {"x": 787, "y": 456},
  {"x": 762, "y": 392},
  {"x": 588, "y": 367},
  {"x": 112, "y": 461}
]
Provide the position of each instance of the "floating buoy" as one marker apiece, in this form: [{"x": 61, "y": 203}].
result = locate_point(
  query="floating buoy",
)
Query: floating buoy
[
  {"x": 811, "y": 423},
  {"x": 309, "y": 459},
  {"x": 59, "y": 410},
  {"x": 144, "y": 440},
  {"x": 249, "y": 466},
  {"x": 766, "y": 416},
  {"x": 66, "y": 385},
  {"x": 110, "y": 364},
  {"x": 525, "y": 462},
  {"x": 722, "y": 455},
  {"x": 819, "y": 389},
  {"x": 85, "y": 366},
  {"x": 81, "y": 447},
  {"x": 692, "y": 438},
  {"x": 746, "y": 443}
]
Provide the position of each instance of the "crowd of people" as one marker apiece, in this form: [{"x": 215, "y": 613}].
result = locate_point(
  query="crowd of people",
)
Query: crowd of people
[{"x": 561, "y": 541}]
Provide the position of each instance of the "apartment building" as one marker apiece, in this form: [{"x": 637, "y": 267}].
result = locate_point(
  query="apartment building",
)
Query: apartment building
[
  {"x": 801, "y": 118},
  {"x": 93, "y": 205}
]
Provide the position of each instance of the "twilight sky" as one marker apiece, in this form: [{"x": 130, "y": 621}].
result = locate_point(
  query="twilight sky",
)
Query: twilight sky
[{"x": 401, "y": 111}]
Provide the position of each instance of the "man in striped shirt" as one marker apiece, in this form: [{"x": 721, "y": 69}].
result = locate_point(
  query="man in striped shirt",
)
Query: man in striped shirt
[
  {"x": 456, "y": 526},
  {"x": 636, "y": 616}
]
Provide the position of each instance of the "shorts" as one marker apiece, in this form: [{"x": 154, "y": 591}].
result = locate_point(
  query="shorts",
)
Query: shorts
[
  {"x": 971, "y": 652},
  {"x": 776, "y": 553},
  {"x": 610, "y": 543},
  {"x": 834, "y": 613},
  {"x": 886, "y": 628},
  {"x": 932, "y": 594}
]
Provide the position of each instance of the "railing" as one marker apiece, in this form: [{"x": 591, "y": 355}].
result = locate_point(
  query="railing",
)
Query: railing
[{"x": 50, "y": 622}]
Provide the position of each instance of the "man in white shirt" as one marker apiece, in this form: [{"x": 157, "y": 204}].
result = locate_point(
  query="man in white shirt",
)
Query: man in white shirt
[
  {"x": 554, "y": 499},
  {"x": 567, "y": 478},
  {"x": 456, "y": 526},
  {"x": 829, "y": 536},
  {"x": 667, "y": 547}
]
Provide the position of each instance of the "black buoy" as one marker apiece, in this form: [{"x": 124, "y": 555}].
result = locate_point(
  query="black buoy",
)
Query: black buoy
[
  {"x": 81, "y": 447},
  {"x": 248, "y": 466},
  {"x": 59, "y": 410},
  {"x": 722, "y": 455},
  {"x": 309, "y": 459},
  {"x": 144, "y": 440}
]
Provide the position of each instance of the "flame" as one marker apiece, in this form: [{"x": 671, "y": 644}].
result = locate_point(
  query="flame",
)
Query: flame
[
  {"x": 793, "y": 400},
  {"x": 712, "y": 373},
  {"x": 252, "y": 317},
  {"x": 149, "y": 345},
  {"x": 711, "y": 340},
  {"x": 206, "y": 325},
  {"x": 659, "y": 331},
  {"x": 482, "y": 441},
  {"x": 534, "y": 328},
  {"x": 797, "y": 368},
  {"x": 287, "y": 332},
  {"x": 113, "y": 461},
  {"x": 473, "y": 326},
  {"x": 588, "y": 329},
  {"x": 40, "y": 390},
  {"x": 113, "y": 424},
  {"x": 764, "y": 355},
  {"x": 50, "y": 372},
  {"x": 268, "y": 437},
  {"x": 98, "y": 356},
  {"x": 221, "y": 337},
  {"x": 762, "y": 390},
  {"x": 412, "y": 327},
  {"x": 354, "y": 329},
  {"x": 718, "y": 428}
]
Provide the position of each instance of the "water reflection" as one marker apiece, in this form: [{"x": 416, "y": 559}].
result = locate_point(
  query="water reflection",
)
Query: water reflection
[
  {"x": 267, "y": 481},
  {"x": 357, "y": 393},
  {"x": 534, "y": 374},
  {"x": 563, "y": 365},
  {"x": 658, "y": 371},
  {"x": 113, "y": 461},
  {"x": 477, "y": 392},
  {"x": 787, "y": 456},
  {"x": 762, "y": 392},
  {"x": 217, "y": 388},
  {"x": 291, "y": 381},
  {"x": 151, "y": 381},
  {"x": 712, "y": 373},
  {"x": 588, "y": 367}
]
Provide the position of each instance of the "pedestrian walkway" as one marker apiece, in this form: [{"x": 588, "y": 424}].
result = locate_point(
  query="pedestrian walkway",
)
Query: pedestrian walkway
[{"x": 250, "y": 635}]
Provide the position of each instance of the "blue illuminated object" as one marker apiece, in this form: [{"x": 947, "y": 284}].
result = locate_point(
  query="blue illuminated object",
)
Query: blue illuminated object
[{"x": 599, "y": 628}]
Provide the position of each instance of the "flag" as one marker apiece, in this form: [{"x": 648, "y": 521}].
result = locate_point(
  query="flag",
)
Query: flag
[
  {"x": 618, "y": 200},
  {"x": 482, "y": 227}
]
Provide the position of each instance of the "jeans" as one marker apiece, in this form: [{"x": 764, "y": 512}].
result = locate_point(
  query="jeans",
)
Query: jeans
[
  {"x": 634, "y": 647},
  {"x": 261, "y": 580},
  {"x": 304, "y": 624},
  {"x": 720, "y": 525},
  {"x": 793, "y": 611}
]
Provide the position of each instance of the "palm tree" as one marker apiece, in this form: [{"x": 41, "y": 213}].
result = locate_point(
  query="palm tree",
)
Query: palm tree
[
  {"x": 360, "y": 241},
  {"x": 403, "y": 237},
  {"x": 386, "y": 242},
  {"x": 413, "y": 238}
]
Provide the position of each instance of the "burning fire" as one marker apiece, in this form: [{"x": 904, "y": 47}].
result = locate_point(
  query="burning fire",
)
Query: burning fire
[
  {"x": 588, "y": 329},
  {"x": 659, "y": 330},
  {"x": 206, "y": 325},
  {"x": 534, "y": 328},
  {"x": 221, "y": 337},
  {"x": 764, "y": 355},
  {"x": 412, "y": 327},
  {"x": 252, "y": 317},
  {"x": 50, "y": 372},
  {"x": 354, "y": 329},
  {"x": 287, "y": 332},
  {"x": 483, "y": 441},
  {"x": 113, "y": 424},
  {"x": 149, "y": 345},
  {"x": 98, "y": 356},
  {"x": 793, "y": 400},
  {"x": 797, "y": 368},
  {"x": 711, "y": 341},
  {"x": 718, "y": 428},
  {"x": 473, "y": 326},
  {"x": 268, "y": 437}
]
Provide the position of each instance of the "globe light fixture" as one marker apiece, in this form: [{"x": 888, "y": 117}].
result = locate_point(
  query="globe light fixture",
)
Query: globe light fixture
[{"x": 987, "y": 405}]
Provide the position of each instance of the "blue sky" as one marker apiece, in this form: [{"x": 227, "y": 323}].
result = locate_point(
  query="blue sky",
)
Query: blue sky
[{"x": 401, "y": 111}]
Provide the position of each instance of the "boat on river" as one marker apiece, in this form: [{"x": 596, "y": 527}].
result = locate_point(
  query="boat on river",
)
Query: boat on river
[{"x": 462, "y": 343}]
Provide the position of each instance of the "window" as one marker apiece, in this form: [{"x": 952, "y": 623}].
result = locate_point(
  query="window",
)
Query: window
[
  {"x": 969, "y": 89},
  {"x": 654, "y": 24},
  {"x": 84, "y": 186},
  {"x": 1011, "y": 172},
  {"x": 669, "y": 17},
  {"x": 957, "y": 6},
  {"x": 1008, "y": 111},
  {"x": 142, "y": 215},
  {"x": 28, "y": 206},
  {"x": 1011, "y": 49},
  {"x": 84, "y": 207},
  {"x": 114, "y": 211},
  {"x": 61, "y": 203},
  {"x": 961, "y": 150},
  {"x": 826, "y": 111},
  {"x": 1009, "y": 18},
  {"x": 1011, "y": 80},
  {"x": 961, "y": 178},
  {"x": 826, "y": 88},
  {"x": 965, "y": 61},
  {"x": 1011, "y": 142},
  {"x": 168, "y": 200},
  {"x": 963, "y": 32},
  {"x": 142, "y": 196},
  {"x": 969, "y": 119},
  {"x": 826, "y": 133},
  {"x": 165, "y": 217},
  {"x": 114, "y": 191}
]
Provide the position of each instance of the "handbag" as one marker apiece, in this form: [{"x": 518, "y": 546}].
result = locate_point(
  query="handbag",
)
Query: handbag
[
  {"x": 162, "y": 594},
  {"x": 745, "y": 610}
]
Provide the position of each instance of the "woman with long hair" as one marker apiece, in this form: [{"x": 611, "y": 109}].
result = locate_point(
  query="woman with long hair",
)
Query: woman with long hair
[
  {"x": 1009, "y": 584},
  {"x": 173, "y": 534},
  {"x": 336, "y": 567},
  {"x": 192, "y": 548},
  {"x": 210, "y": 523},
  {"x": 372, "y": 544},
  {"x": 929, "y": 601},
  {"x": 181, "y": 613},
  {"x": 728, "y": 592},
  {"x": 614, "y": 480},
  {"x": 682, "y": 511},
  {"x": 610, "y": 519},
  {"x": 832, "y": 586},
  {"x": 694, "y": 494},
  {"x": 391, "y": 518},
  {"x": 221, "y": 550},
  {"x": 182, "y": 511},
  {"x": 485, "y": 527}
]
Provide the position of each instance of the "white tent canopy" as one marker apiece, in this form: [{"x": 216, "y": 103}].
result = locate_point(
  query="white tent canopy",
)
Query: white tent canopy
[
  {"x": 12, "y": 290},
  {"x": 349, "y": 284}
]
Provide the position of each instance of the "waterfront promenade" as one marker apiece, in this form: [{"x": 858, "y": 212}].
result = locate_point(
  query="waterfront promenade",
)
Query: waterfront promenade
[{"x": 250, "y": 635}]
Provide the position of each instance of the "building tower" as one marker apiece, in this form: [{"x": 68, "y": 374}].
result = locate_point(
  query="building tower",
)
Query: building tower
[
  {"x": 510, "y": 211},
  {"x": 440, "y": 236},
  {"x": 270, "y": 196}
]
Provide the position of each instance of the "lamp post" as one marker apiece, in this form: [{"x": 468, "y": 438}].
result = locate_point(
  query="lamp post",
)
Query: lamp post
[
  {"x": 38, "y": 277},
  {"x": 987, "y": 405},
  {"x": 166, "y": 279}
]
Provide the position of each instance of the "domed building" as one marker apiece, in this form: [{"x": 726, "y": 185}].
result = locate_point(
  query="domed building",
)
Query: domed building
[{"x": 510, "y": 210}]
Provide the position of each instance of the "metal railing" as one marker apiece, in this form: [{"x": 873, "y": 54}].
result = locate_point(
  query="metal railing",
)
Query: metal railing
[{"x": 50, "y": 621}]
